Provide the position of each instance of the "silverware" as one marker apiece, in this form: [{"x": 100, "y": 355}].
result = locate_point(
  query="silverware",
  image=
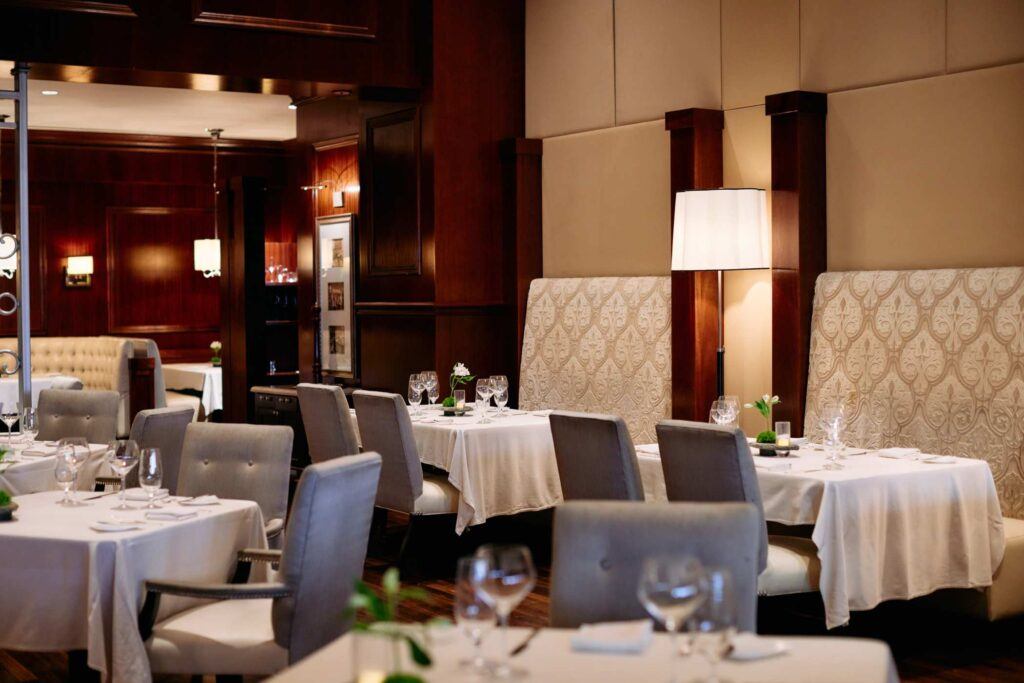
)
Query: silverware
[
  {"x": 102, "y": 495},
  {"x": 525, "y": 644}
]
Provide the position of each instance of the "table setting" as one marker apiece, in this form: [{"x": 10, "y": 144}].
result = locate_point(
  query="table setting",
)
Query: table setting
[
  {"x": 204, "y": 380},
  {"x": 29, "y": 466}
]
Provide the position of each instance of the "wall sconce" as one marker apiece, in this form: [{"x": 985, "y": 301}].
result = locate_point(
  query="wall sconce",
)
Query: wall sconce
[{"x": 78, "y": 271}]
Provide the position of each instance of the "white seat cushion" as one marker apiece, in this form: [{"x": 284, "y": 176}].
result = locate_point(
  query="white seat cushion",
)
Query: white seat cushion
[
  {"x": 177, "y": 400},
  {"x": 223, "y": 637},
  {"x": 793, "y": 567},
  {"x": 439, "y": 497}
]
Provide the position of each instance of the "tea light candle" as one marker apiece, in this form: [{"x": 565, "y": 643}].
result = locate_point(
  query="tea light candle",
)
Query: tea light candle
[
  {"x": 460, "y": 400},
  {"x": 782, "y": 434}
]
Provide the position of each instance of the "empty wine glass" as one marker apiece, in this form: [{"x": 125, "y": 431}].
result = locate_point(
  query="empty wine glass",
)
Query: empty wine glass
[
  {"x": 473, "y": 613},
  {"x": 75, "y": 450},
  {"x": 151, "y": 474},
  {"x": 832, "y": 417},
  {"x": 671, "y": 589},
  {"x": 430, "y": 383},
  {"x": 29, "y": 424},
  {"x": 9, "y": 415},
  {"x": 415, "y": 391},
  {"x": 499, "y": 385},
  {"x": 122, "y": 456},
  {"x": 714, "y": 622},
  {"x": 484, "y": 391},
  {"x": 507, "y": 578},
  {"x": 723, "y": 412},
  {"x": 64, "y": 474}
]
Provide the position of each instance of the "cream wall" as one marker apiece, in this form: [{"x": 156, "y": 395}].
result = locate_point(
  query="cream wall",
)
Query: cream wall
[{"x": 598, "y": 69}]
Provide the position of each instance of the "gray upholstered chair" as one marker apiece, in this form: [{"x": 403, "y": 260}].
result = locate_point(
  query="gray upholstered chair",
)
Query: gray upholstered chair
[
  {"x": 260, "y": 628},
  {"x": 162, "y": 428},
  {"x": 248, "y": 462},
  {"x": 712, "y": 463},
  {"x": 385, "y": 427},
  {"x": 68, "y": 412},
  {"x": 330, "y": 430},
  {"x": 595, "y": 456},
  {"x": 600, "y": 548}
]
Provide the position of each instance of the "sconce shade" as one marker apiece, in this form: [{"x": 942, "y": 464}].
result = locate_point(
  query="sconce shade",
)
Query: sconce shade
[
  {"x": 206, "y": 256},
  {"x": 721, "y": 230},
  {"x": 80, "y": 265},
  {"x": 9, "y": 265}
]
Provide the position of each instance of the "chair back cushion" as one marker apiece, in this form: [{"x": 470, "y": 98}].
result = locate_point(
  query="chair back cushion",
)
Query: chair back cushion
[
  {"x": 69, "y": 412},
  {"x": 385, "y": 427},
  {"x": 706, "y": 463},
  {"x": 925, "y": 358},
  {"x": 248, "y": 462},
  {"x": 162, "y": 428},
  {"x": 330, "y": 430},
  {"x": 595, "y": 456},
  {"x": 600, "y": 549},
  {"x": 600, "y": 344},
  {"x": 324, "y": 551}
]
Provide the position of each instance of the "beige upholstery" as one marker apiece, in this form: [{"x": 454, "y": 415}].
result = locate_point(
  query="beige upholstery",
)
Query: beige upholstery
[
  {"x": 600, "y": 345},
  {"x": 931, "y": 359},
  {"x": 70, "y": 412},
  {"x": 793, "y": 567}
]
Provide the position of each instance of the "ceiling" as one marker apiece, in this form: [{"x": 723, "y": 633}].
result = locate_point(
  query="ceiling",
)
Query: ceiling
[{"x": 108, "y": 108}]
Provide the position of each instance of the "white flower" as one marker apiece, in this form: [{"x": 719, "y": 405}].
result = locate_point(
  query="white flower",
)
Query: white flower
[
  {"x": 460, "y": 370},
  {"x": 216, "y": 345}
]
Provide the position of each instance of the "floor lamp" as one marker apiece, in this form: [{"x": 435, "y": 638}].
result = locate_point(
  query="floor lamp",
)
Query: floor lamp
[{"x": 725, "y": 229}]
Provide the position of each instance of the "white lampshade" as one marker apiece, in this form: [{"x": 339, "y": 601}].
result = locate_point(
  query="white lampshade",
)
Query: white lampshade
[
  {"x": 80, "y": 265},
  {"x": 206, "y": 257},
  {"x": 721, "y": 230}
]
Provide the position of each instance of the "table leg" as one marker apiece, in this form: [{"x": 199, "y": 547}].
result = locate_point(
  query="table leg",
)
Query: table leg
[{"x": 78, "y": 668}]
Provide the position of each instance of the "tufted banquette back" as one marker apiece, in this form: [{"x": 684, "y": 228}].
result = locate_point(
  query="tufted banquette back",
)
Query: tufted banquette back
[
  {"x": 600, "y": 345},
  {"x": 932, "y": 359}
]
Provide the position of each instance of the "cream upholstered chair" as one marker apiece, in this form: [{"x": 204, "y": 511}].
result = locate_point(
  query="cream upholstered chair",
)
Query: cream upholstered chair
[
  {"x": 595, "y": 456},
  {"x": 67, "y": 412},
  {"x": 327, "y": 419},
  {"x": 248, "y": 462},
  {"x": 260, "y": 628},
  {"x": 712, "y": 463},
  {"x": 162, "y": 428},
  {"x": 600, "y": 548}
]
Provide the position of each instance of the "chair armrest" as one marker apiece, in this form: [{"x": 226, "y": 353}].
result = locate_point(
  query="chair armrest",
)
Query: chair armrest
[
  {"x": 274, "y": 527},
  {"x": 209, "y": 591}
]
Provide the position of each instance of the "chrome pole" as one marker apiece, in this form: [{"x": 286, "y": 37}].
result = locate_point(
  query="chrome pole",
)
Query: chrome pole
[{"x": 20, "y": 73}]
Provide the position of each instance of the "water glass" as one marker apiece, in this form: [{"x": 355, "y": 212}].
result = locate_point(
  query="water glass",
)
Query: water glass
[
  {"x": 733, "y": 401},
  {"x": 671, "y": 589},
  {"x": 415, "y": 391},
  {"x": 76, "y": 451},
  {"x": 484, "y": 391},
  {"x": 430, "y": 383},
  {"x": 473, "y": 613},
  {"x": 460, "y": 399},
  {"x": 499, "y": 384},
  {"x": 508, "y": 576},
  {"x": 122, "y": 456},
  {"x": 29, "y": 424},
  {"x": 9, "y": 415},
  {"x": 783, "y": 434},
  {"x": 151, "y": 474},
  {"x": 832, "y": 417},
  {"x": 723, "y": 412},
  {"x": 64, "y": 474},
  {"x": 714, "y": 622}
]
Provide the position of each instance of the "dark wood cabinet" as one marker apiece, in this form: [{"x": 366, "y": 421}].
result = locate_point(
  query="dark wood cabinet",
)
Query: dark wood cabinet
[{"x": 280, "y": 406}]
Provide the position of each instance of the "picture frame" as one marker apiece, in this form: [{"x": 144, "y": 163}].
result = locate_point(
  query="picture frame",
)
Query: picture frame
[{"x": 333, "y": 268}]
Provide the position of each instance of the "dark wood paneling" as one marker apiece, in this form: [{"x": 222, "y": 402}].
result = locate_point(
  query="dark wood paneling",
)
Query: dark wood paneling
[
  {"x": 394, "y": 343},
  {"x": 118, "y": 9},
  {"x": 799, "y": 233},
  {"x": 337, "y": 168},
  {"x": 294, "y": 16},
  {"x": 696, "y": 164}
]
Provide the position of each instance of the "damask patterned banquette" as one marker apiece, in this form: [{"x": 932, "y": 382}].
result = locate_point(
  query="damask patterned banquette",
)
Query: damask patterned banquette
[
  {"x": 932, "y": 359},
  {"x": 601, "y": 344}
]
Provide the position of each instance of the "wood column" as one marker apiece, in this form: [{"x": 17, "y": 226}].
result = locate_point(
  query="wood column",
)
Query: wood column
[
  {"x": 799, "y": 233},
  {"x": 696, "y": 164}
]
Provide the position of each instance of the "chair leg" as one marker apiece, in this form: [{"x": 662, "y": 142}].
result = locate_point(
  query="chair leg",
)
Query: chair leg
[
  {"x": 404, "y": 564},
  {"x": 78, "y": 668}
]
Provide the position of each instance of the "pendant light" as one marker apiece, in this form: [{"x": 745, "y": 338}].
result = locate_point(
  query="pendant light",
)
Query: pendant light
[
  {"x": 206, "y": 253},
  {"x": 8, "y": 262}
]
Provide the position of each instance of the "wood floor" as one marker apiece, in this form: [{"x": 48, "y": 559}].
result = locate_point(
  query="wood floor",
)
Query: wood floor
[{"x": 928, "y": 647}]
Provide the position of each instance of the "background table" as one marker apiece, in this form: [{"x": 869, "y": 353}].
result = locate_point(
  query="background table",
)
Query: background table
[
  {"x": 67, "y": 587},
  {"x": 549, "y": 657},
  {"x": 885, "y": 528},
  {"x": 31, "y": 474},
  {"x": 9, "y": 388},
  {"x": 202, "y": 379}
]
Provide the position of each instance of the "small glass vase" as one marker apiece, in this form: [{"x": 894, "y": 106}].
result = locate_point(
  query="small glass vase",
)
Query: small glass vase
[{"x": 382, "y": 656}]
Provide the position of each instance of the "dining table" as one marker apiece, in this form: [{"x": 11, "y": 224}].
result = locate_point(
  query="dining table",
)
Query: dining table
[
  {"x": 550, "y": 656},
  {"x": 73, "y": 577},
  {"x": 27, "y": 467},
  {"x": 204, "y": 380},
  {"x": 9, "y": 387}
]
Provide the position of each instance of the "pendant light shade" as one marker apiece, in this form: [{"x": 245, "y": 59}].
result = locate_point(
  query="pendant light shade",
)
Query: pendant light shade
[
  {"x": 206, "y": 253},
  {"x": 721, "y": 230}
]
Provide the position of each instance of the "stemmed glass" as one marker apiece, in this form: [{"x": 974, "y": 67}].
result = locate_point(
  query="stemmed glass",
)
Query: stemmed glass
[
  {"x": 474, "y": 615},
  {"x": 499, "y": 385},
  {"x": 151, "y": 474},
  {"x": 431, "y": 385},
  {"x": 64, "y": 474},
  {"x": 29, "y": 424},
  {"x": 714, "y": 623},
  {"x": 415, "y": 391},
  {"x": 723, "y": 412},
  {"x": 832, "y": 417},
  {"x": 9, "y": 415},
  {"x": 75, "y": 451},
  {"x": 508, "y": 577},
  {"x": 122, "y": 456},
  {"x": 484, "y": 391},
  {"x": 671, "y": 589}
]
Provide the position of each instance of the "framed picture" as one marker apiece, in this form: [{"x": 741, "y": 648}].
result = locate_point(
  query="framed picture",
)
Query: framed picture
[{"x": 334, "y": 292}]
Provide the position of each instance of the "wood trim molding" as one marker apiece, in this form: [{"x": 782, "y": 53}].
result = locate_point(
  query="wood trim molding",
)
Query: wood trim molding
[
  {"x": 141, "y": 385},
  {"x": 696, "y": 164},
  {"x": 117, "y": 9},
  {"x": 282, "y": 24},
  {"x": 155, "y": 143},
  {"x": 799, "y": 233}
]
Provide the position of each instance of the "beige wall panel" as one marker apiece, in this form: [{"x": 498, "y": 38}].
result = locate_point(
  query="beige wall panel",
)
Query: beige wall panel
[
  {"x": 570, "y": 66},
  {"x": 747, "y": 162},
  {"x": 606, "y": 202},
  {"x": 984, "y": 32},
  {"x": 667, "y": 57},
  {"x": 846, "y": 44},
  {"x": 760, "y": 50},
  {"x": 928, "y": 174}
]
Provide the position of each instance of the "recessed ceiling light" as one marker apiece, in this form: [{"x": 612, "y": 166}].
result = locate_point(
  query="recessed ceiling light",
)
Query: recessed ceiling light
[{"x": 50, "y": 92}]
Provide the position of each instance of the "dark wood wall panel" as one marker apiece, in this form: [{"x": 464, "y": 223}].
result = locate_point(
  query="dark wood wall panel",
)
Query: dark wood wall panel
[
  {"x": 393, "y": 343},
  {"x": 351, "y": 18},
  {"x": 392, "y": 162}
]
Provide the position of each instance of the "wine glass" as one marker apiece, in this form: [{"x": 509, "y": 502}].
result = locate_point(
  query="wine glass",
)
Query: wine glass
[
  {"x": 474, "y": 615},
  {"x": 671, "y": 589},
  {"x": 734, "y": 401},
  {"x": 499, "y": 385},
  {"x": 714, "y": 622},
  {"x": 9, "y": 415},
  {"x": 430, "y": 383},
  {"x": 29, "y": 424},
  {"x": 415, "y": 391},
  {"x": 122, "y": 456},
  {"x": 64, "y": 474},
  {"x": 151, "y": 474},
  {"x": 507, "y": 578},
  {"x": 484, "y": 391},
  {"x": 722, "y": 412},
  {"x": 76, "y": 451},
  {"x": 831, "y": 418}
]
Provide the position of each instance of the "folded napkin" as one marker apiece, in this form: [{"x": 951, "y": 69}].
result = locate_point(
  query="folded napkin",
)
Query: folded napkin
[
  {"x": 201, "y": 500},
  {"x": 170, "y": 515},
  {"x": 617, "y": 637},
  {"x": 114, "y": 525},
  {"x": 938, "y": 459},
  {"x": 899, "y": 453},
  {"x": 750, "y": 646},
  {"x": 139, "y": 494},
  {"x": 40, "y": 450}
]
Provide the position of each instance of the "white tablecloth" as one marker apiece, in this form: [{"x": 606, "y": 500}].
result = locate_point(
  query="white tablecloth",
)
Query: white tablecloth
[
  {"x": 9, "y": 388},
  {"x": 67, "y": 587},
  {"x": 550, "y": 657},
  {"x": 22, "y": 474},
  {"x": 885, "y": 529},
  {"x": 202, "y": 378}
]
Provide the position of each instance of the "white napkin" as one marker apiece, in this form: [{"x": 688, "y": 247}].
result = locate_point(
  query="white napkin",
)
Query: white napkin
[
  {"x": 114, "y": 525},
  {"x": 170, "y": 515},
  {"x": 938, "y": 459},
  {"x": 649, "y": 449},
  {"x": 899, "y": 453},
  {"x": 138, "y": 494},
  {"x": 40, "y": 450},
  {"x": 201, "y": 500},
  {"x": 617, "y": 637},
  {"x": 750, "y": 646}
]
